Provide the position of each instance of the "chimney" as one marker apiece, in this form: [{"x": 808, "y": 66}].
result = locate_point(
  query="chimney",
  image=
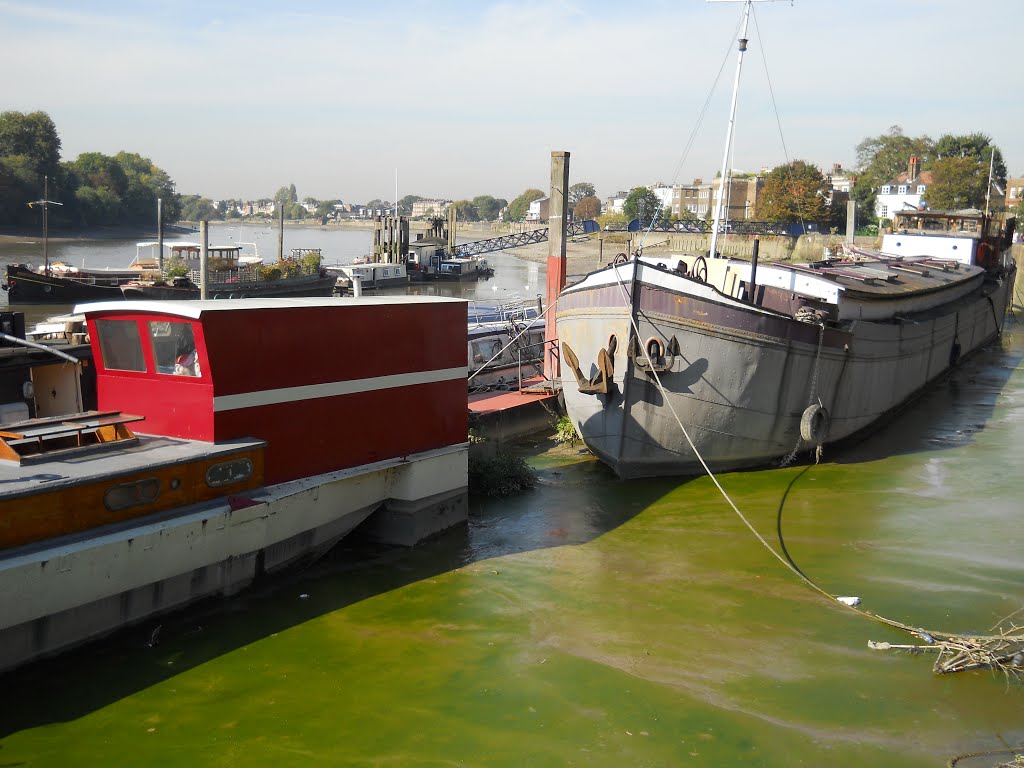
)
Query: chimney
[{"x": 914, "y": 168}]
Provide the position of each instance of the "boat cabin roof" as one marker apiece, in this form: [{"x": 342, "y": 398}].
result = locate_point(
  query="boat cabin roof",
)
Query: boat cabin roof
[{"x": 194, "y": 310}]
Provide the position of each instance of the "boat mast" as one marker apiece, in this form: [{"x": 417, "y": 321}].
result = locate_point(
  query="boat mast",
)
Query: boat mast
[
  {"x": 46, "y": 212},
  {"x": 732, "y": 120}
]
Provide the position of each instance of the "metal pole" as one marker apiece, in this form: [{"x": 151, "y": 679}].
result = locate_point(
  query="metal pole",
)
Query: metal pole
[
  {"x": 728, "y": 134},
  {"x": 46, "y": 210},
  {"x": 753, "y": 271}
]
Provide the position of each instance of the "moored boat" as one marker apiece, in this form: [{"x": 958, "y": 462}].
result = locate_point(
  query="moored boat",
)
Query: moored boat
[
  {"x": 230, "y": 275},
  {"x": 225, "y": 443},
  {"x": 679, "y": 364},
  {"x": 671, "y": 362}
]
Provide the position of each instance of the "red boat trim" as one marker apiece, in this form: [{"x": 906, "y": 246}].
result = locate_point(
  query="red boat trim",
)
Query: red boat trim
[{"x": 332, "y": 389}]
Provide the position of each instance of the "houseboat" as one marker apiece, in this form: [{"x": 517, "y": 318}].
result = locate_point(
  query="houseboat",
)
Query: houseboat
[{"x": 226, "y": 443}]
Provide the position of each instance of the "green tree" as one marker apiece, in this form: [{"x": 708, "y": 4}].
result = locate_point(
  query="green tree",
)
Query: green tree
[
  {"x": 641, "y": 203},
  {"x": 465, "y": 210},
  {"x": 196, "y": 208},
  {"x": 33, "y": 135},
  {"x": 794, "y": 193},
  {"x": 973, "y": 145},
  {"x": 97, "y": 206},
  {"x": 958, "y": 182},
  {"x": 405, "y": 204},
  {"x": 145, "y": 184},
  {"x": 579, "y": 191},
  {"x": 517, "y": 208},
  {"x": 587, "y": 208},
  {"x": 487, "y": 207},
  {"x": 880, "y": 159}
]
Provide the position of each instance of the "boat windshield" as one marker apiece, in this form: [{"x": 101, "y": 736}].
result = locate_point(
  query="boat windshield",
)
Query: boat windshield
[{"x": 174, "y": 348}]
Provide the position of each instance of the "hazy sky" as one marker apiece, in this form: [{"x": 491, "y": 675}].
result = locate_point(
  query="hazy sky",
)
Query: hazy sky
[{"x": 466, "y": 98}]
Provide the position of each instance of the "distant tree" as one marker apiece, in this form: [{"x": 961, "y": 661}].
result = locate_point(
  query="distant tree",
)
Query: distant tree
[
  {"x": 487, "y": 207},
  {"x": 465, "y": 210},
  {"x": 145, "y": 184},
  {"x": 579, "y": 191},
  {"x": 641, "y": 203},
  {"x": 880, "y": 159},
  {"x": 196, "y": 208},
  {"x": 587, "y": 208},
  {"x": 97, "y": 206},
  {"x": 976, "y": 148},
  {"x": 958, "y": 182},
  {"x": 517, "y": 208},
  {"x": 405, "y": 204},
  {"x": 794, "y": 193},
  {"x": 973, "y": 145},
  {"x": 326, "y": 208},
  {"x": 32, "y": 135}
]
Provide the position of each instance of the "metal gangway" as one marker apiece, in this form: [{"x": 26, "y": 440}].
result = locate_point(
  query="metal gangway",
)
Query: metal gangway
[{"x": 519, "y": 239}]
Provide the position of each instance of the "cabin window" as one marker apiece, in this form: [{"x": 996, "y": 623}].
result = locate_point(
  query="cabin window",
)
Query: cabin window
[
  {"x": 120, "y": 345},
  {"x": 485, "y": 349},
  {"x": 174, "y": 348}
]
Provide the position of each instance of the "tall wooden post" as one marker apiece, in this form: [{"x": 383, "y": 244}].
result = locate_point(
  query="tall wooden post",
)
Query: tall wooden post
[
  {"x": 204, "y": 258},
  {"x": 556, "y": 258},
  {"x": 280, "y": 238},
  {"x": 160, "y": 234}
]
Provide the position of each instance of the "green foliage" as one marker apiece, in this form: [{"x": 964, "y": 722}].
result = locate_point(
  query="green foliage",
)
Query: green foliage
[
  {"x": 175, "y": 267},
  {"x": 641, "y": 203},
  {"x": 500, "y": 475},
  {"x": 565, "y": 432},
  {"x": 196, "y": 208},
  {"x": 517, "y": 208},
  {"x": 793, "y": 193},
  {"x": 882, "y": 158},
  {"x": 268, "y": 272},
  {"x": 487, "y": 207},
  {"x": 32, "y": 136},
  {"x": 465, "y": 210},
  {"x": 958, "y": 182},
  {"x": 310, "y": 262}
]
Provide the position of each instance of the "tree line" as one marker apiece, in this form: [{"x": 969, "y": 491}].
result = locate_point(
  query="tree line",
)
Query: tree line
[{"x": 103, "y": 190}]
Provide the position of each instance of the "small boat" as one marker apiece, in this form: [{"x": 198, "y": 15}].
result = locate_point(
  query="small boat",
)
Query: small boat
[
  {"x": 370, "y": 275},
  {"x": 220, "y": 446},
  {"x": 428, "y": 259},
  {"x": 59, "y": 283},
  {"x": 677, "y": 364},
  {"x": 504, "y": 354}
]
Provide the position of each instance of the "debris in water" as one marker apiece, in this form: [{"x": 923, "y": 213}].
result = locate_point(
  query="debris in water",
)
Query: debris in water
[{"x": 851, "y": 601}]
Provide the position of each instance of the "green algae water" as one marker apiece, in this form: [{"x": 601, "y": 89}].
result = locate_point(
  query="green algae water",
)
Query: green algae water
[{"x": 595, "y": 622}]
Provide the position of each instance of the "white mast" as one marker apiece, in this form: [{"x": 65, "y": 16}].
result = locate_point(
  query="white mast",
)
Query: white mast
[{"x": 732, "y": 121}]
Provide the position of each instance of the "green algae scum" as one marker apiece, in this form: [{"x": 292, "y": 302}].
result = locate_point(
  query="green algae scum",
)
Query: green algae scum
[{"x": 596, "y": 622}]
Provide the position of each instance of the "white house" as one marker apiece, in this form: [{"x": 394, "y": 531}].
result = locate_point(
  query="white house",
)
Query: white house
[{"x": 905, "y": 191}]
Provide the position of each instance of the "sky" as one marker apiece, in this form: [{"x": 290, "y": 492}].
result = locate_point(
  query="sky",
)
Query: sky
[{"x": 459, "y": 98}]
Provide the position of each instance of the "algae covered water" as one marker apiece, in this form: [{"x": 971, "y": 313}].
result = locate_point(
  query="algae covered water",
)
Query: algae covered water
[{"x": 596, "y": 622}]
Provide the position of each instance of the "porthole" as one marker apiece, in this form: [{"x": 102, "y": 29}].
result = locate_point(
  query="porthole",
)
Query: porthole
[
  {"x": 228, "y": 472},
  {"x": 128, "y": 495}
]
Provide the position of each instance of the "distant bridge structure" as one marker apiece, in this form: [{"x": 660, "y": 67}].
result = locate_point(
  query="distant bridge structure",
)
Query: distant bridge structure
[
  {"x": 519, "y": 239},
  {"x": 577, "y": 228}
]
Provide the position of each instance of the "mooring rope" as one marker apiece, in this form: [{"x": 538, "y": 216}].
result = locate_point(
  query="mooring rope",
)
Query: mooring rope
[{"x": 927, "y": 635}]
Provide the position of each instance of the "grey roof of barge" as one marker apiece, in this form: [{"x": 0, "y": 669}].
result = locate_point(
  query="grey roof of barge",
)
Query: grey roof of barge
[{"x": 193, "y": 309}]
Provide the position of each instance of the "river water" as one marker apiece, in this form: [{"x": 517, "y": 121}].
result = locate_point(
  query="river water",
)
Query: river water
[
  {"x": 513, "y": 277},
  {"x": 597, "y": 622}
]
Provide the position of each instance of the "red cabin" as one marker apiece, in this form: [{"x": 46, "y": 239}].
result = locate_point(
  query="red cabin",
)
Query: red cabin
[{"x": 329, "y": 383}]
